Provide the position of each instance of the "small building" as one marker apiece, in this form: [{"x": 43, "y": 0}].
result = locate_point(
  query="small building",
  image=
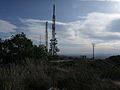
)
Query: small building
[{"x": 83, "y": 57}]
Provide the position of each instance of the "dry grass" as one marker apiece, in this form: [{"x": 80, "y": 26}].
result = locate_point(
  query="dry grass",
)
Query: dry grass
[{"x": 39, "y": 75}]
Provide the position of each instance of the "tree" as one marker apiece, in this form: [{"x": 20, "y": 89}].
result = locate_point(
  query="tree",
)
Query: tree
[
  {"x": 19, "y": 47},
  {"x": 20, "y": 44},
  {"x": 14, "y": 48}
]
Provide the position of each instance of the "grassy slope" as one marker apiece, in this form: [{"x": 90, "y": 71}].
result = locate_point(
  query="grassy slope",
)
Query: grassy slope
[{"x": 73, "y": 75}]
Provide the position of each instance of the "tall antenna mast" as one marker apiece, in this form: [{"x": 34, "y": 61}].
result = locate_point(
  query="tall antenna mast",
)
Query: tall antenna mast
[
  {"x": 53, "y": 47},
  {"x": 46, "y": 36}
]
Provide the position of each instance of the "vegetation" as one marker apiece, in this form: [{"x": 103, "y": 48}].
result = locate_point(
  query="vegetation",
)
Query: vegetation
[
  {"x": 19, "y": 47},
  {"x": 25, "y": 66}
]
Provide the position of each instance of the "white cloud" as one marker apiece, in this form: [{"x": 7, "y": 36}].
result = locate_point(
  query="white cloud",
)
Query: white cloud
[
  {"x": 36, "y": 28},
  {"x": 94, "y": 28},
  {"x": 6, "y": 27}
]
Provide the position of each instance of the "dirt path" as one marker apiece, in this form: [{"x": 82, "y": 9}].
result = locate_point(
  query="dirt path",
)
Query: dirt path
[{"x": 58, "y": 61}]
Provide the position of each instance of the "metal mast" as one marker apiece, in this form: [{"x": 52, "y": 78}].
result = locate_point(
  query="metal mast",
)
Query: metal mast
[
  {"x": 46, "y": 36},
  {"x": 93, "y": 50},
  {"x": 53, "y": 47},
  {"x": 40, "y": 40}
]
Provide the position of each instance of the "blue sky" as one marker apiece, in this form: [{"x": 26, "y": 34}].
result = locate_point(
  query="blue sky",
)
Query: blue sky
[{"x": 79, "y": 23}]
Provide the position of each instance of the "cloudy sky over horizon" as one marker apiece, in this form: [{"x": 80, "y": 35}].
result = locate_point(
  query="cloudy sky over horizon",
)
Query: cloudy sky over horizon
[{"x": 79, "y": 23}]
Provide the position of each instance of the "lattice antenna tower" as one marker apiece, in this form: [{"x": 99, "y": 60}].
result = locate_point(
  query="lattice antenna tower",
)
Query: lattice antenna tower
[{"x": 53, "y": 45}]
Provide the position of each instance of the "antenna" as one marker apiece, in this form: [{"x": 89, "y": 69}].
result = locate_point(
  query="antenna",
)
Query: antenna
[
  {"x": 46, "y": 36},
  {"x": 53, "y": 48},
  {"x": 93, "y": 45}
]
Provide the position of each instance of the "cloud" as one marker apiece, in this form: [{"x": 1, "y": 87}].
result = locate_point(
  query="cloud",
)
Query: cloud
[
  {"x": 96, "y": 26},
  {"x": 114, "y": 26},
  {"x": 6, "y": 27},
  {"x": 100, "y": 28},
  {"x": 75, "y": 37},
  {"x": 36, "y": 28}
]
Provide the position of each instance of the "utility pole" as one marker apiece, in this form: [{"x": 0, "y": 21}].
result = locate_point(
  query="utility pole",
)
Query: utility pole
[
  {"x": 46, "y": 36},
  {"x": 53, "y": 48},
  {"x": 40, "y": 40},
  {"x": 93, "y": 45}
]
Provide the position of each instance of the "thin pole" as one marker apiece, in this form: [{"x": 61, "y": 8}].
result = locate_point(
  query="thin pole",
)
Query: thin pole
[
  {"x": 93, "y": 50},
  {"x": 40, "y": 39},
  {"x": 47, "y": 36}
]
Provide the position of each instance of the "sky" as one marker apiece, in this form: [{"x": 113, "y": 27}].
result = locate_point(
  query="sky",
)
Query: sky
[{"x": 79, "y": 23}]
